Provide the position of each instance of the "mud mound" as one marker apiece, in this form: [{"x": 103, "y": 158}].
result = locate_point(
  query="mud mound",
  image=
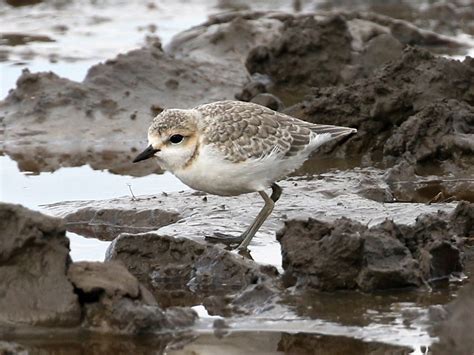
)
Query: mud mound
[
  {"x": 34, "y": 257},
  {"x": 41, "y": 287},
  {"x": 324, "y": 49},
  {"x": 180, "y": 271},
  {"x": 307, "y": 55},
  {"x": 114, "y": 301},
  {"x": 103, "y": 120},
  {"x": 416, "y": 110},
  {"x": 348, "y": 255}
]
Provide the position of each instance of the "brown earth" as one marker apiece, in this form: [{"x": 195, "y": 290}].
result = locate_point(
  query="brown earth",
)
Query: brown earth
[
  {"x": 348, "y": 255},
  {"x": 180, "y": 271},
  {"x": 42, "y": 288}
]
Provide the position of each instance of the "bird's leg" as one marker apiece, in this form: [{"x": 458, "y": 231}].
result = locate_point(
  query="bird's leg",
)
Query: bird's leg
[
  {"x": 262, "y": 216},
  {"x": 245, "y": 238}
]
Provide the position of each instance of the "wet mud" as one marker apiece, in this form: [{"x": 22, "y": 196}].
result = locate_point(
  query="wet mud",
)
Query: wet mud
[
  {"x": 43, "y": 288},
  {"x": 351, "y": 259}
]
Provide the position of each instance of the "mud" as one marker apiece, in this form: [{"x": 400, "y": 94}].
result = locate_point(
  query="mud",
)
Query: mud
[
  {"x": 414, "y": 115},
  {"x": 361, "y": 194},
  {"x": 339, "y": 230},
  {"x": 348, "y": 255},
  {"x": 34, "y": 258},
  {"x": 43, "y": 289},
  {"x": 181, "y": 271},
  {"x": 454, "y": 327},
  {"x": 408, "y": 256},
  {"x": 106, "y": 224},
  {"x": 236, "y": 343},
  {"x": 441, "y": 17},
  {"x": 102, "y": 120}
]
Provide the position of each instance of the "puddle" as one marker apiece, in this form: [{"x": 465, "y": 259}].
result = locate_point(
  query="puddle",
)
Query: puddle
[{"x": 80, "y": 183}]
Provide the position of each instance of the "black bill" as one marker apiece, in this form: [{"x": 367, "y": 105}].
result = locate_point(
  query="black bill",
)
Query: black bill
[{"x": 146, "y": 154}]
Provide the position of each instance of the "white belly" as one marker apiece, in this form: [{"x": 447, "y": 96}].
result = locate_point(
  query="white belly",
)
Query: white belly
[{"x": 211, "y": 173}]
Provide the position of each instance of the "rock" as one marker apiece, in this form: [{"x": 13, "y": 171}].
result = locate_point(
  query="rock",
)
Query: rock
[
  {"x": 34, "y": 258},
  {"x": 348, "y": 255},
  {"x": 180, "y": 271},
  {"x": 455, "y": 330}
]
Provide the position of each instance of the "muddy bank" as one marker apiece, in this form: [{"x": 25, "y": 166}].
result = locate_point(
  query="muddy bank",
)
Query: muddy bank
[
  {"x": 42, "y": 288},
  {"x": 414, "y": 114},
  {"x": 374, "y": 250},
  {"x": 102, "y": 121},
  {"x": 445, "y": 17},
  {"x": 283, "y": 61},
  {"x": 235, "y": 343},
  {"x": 359, "y": 194},
  {"x": 37, "y": 244}
]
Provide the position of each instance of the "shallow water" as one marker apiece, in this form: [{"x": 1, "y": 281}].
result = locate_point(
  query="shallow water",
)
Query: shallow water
[{"x": 81, "y": 183}]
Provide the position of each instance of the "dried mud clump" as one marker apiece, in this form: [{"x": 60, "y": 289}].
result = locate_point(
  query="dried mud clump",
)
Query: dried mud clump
[
  {"x": 114, "y": 301},
  {"x": 34, "y": 258},
  {"x": 181, "y": 271},
  {"x": 42, "y": 287},
  {"x": 414, "y": 115},
  {"x": 348, "y": 255},
  {"x": 306, "y": 55}
]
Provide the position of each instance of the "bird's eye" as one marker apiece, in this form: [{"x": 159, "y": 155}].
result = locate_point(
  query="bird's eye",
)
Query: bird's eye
[{"x": 176, "y": 138}]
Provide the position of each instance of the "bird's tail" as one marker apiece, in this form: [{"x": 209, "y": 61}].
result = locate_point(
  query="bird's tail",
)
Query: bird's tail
[{"x": 334, "y": 131}]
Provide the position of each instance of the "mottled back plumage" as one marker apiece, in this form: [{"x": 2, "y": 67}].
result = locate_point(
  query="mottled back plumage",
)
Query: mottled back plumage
[{"x": 245, "y": 131}]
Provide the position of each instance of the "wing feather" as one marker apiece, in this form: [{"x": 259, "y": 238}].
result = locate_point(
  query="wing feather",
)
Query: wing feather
[{"x": 242, "y": 131}]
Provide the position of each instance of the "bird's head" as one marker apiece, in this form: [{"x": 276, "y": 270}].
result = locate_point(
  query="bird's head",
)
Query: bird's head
[{"x": 173, "y": 139}]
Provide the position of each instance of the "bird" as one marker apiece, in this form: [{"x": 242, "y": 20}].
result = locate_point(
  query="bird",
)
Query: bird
[{"x": 230, "y": 148}]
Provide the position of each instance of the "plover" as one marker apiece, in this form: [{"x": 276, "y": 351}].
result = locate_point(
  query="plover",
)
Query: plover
[{"x": 230, "y": 148}]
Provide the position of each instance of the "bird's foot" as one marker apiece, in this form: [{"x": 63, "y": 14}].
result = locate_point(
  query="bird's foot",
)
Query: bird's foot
[
  {"x": 225, "y": 238},
  {"x": 232, "y": 242}
]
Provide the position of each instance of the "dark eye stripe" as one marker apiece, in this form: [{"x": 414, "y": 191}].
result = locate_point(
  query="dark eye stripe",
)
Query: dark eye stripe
[{"x": 176, "y": 138}]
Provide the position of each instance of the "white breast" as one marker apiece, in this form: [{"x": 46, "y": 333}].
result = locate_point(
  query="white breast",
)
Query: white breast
[{"x": 212, "y": 173}]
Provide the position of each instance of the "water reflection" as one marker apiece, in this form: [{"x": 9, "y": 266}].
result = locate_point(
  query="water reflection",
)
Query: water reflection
[
  {"x": 76, "y": 183},
  {"x": 255, "y": 342}
]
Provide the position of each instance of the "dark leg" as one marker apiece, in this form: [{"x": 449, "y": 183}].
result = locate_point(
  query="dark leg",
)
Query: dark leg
[
  {"x": 262, "y": 216},
  {"x": 250, "y": 232}
]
